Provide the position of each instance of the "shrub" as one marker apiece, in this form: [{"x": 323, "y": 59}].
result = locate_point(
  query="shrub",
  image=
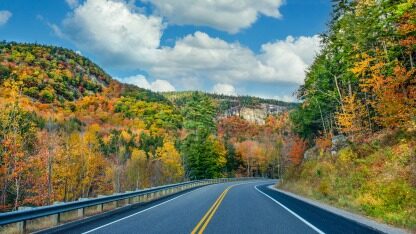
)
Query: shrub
[{"x": 47, "y": 96}]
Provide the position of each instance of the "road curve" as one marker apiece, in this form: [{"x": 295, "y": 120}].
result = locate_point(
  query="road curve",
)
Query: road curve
[{"x": 238, "y": 207}]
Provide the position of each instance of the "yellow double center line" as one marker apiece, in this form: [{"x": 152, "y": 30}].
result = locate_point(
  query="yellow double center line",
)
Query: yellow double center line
[{"x": 203, "y": 223}]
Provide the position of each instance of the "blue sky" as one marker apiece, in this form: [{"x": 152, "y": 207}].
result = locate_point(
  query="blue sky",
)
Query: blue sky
[{"x": 235, "y": 47}]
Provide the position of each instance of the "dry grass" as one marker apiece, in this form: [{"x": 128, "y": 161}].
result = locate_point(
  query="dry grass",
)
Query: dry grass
[{"x": 376, "y": 179}]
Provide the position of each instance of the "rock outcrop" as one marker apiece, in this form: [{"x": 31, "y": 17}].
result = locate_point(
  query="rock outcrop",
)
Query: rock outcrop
[{"x": 256, "y": 114}]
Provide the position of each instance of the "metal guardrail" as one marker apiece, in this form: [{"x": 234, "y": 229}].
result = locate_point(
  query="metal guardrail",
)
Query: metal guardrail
[{"x": 54, "y": 214}]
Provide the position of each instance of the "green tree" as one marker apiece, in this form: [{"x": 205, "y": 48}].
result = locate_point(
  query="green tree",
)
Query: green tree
[{"x": 204, "y": 155}]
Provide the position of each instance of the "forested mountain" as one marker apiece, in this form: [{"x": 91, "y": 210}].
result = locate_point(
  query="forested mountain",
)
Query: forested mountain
[
  {"x": 50, "y": 73},
  {"x": 363, "y": 86},
  {"x": 68, "y": 130},
  {"x": 225, "y": 101}
]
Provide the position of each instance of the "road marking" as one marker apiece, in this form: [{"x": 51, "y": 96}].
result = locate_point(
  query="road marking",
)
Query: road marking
[
  {"x": 290, "y": 211},
  {"x": 118, "y": 220},
  {"x": 210, "y": 213}
]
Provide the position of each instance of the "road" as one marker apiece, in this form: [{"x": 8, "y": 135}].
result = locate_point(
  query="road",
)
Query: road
[{"x": 240, "y": 207}]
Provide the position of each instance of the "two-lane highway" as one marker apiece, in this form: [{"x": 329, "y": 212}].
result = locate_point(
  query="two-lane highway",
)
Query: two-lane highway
[{"x": 240, "y": 207}]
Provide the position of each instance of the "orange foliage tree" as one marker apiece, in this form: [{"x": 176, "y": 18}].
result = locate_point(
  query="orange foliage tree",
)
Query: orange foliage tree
[
  {"x": 297, "y": 149},
  {"x": 393, "y": 92}
]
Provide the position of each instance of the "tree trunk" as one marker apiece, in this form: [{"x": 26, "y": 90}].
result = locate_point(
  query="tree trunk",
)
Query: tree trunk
[
  {"x": 138, "y": 179},
  {"x": 322, "y": 118},
  {"x": 339, "y": 91},
  {"x": 49, "y": 179},
  {"x": 65, "y": 191},
  {"x": 17, "y": 184},
  {"x": 368, "y": 113}
]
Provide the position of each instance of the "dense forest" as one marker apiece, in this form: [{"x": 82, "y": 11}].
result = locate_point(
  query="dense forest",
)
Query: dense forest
[
  {"x": 224, "y": 101},
  {"x": 69, "y": 131},
  {"x": 363, "y": 86}
]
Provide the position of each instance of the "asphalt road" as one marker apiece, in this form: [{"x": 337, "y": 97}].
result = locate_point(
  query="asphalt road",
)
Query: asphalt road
[{"x": 241, "y": 207}]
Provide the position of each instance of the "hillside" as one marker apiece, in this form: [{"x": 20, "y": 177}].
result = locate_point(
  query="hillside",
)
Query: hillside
[
  {"x": 80, "y": 133},
  {"x": 227, "y": 101},
  {"x": 53, "y": 74},
  {"x": 358, "y": 114},
  {"x": 252, "y": 109},
  {"x": 50, "y": 73}
]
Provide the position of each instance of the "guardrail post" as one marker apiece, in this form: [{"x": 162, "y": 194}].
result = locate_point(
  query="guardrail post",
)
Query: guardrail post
[
  {"x": 100, "y": 207},
  {"x": 116, "y": 203},
  {"x": 129, "y": 200},
  {"x": 21, "y": 227},
  {"x": 81, "y": 211},
  {"x": 55, "y": 219}
]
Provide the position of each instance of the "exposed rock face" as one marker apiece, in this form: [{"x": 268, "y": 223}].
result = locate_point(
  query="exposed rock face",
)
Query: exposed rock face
[
  {"x": 311, "y": 153},
  {"x": 255, "y": 114},
  {"x": 338, "y": 142}
]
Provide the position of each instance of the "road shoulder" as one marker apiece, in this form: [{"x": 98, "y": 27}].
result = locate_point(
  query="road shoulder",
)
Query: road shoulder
[{"x": 348, "y": 215}]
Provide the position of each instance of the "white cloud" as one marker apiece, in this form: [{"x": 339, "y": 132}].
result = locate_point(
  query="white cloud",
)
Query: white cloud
[
  {"x": 141, "y": 81},
  {"x": 162, "y": 86},
  {"x": 225, "y": 15},
  {"x": 138, "y": 80},
  {"x": 72, "y": 3},
  {"x": 290, "y": 58},
  {"x": 121, "y": 36},
  {"x": 214, "y": 59},
  {"x": 114, "y": 30},
  {"x": 4, "y": 17},
  {"x": 225, "y": 89}
]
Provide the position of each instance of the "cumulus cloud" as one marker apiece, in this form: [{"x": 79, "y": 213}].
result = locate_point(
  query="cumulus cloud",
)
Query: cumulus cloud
[
  {"x": 162, "y": 86},
  {"x": 291, "y": 57},
  {"x": 114, "y": 30},
  {"x": 138, "y": 80},
  {"x": 226, "y": 15},
  {"x": 215, "y": 59},
  {"x": 122, "y": 36},
  {"x": 225, "y": 89},
  {"x": 4, "y": 17},
  {"x": 141, "y": 81}
]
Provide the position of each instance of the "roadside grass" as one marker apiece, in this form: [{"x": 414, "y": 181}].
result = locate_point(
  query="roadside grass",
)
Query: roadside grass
[{"x": 376, "y": 179}]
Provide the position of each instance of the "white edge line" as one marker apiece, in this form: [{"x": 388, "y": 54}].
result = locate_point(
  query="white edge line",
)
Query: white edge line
[
  {"x": 290, "y": 211},
  {"x": 118, "y": 220}
]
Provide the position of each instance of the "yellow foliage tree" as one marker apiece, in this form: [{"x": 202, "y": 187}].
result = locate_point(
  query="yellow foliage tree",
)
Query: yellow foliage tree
[
  {"x": 136, "y": 170},
  {"x": 350, "y": 118},
  {"x": 173, "y": 170}
]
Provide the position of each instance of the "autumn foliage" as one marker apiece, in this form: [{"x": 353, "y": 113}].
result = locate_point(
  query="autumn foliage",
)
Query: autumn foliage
[{"x": 297, "y": 149}]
